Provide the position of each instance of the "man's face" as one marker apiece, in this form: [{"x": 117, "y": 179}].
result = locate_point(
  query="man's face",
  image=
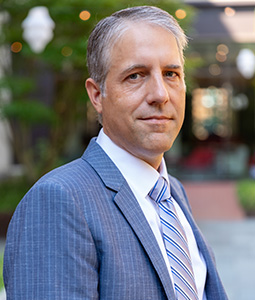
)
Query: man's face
[{"x": 144, "y": 102}]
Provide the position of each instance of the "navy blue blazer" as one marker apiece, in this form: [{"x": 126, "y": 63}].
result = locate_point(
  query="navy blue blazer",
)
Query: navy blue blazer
[{"x": 80, "y": 233}]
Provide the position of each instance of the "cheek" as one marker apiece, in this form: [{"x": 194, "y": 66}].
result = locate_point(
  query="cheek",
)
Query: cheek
[
  {"x": 179, "y": 101},
  {"x": 181, "y": 95},
  {"x": 115, "y": 111},
  {"x": 125, "y": 105}
]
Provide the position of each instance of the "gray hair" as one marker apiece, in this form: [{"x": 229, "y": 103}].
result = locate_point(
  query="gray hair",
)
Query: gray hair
[{"x": 109, "y": 30}]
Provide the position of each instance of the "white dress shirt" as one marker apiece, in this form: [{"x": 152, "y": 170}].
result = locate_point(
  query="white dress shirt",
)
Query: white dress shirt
[{"x": 141, "y": 177}]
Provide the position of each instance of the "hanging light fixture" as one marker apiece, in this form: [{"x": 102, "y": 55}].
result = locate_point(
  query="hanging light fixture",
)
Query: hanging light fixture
[
  {"x": 38, "y": 28},
  {"x": 245, "y": 62}
]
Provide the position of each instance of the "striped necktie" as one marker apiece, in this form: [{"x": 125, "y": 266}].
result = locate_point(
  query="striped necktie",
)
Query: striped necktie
[{"x": 175, "y": 242}]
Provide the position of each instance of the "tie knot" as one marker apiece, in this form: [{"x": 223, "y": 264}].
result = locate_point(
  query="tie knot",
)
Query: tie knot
[{"x": 160, "y": 191}]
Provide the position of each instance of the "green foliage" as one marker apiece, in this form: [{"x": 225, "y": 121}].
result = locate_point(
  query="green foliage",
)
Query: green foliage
[
  {"x": 28, "y": 112},
  {"x": 70, "y": 30},
  {"x": 17, "y": 84},
  {"x": 246, "y": 195},
  {"x": 12, "y": 191},
  {"x": 63, "y": 111}
]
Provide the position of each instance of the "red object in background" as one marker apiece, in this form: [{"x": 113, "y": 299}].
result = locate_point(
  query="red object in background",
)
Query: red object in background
[{"x": 200, "y": 158}]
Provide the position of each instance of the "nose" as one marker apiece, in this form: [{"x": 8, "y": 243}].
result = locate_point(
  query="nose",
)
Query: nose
[{"x": 157, "y": 90}]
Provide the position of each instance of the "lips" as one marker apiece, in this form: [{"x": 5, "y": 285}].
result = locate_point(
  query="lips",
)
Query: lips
[{"x": 156, "y": 119}]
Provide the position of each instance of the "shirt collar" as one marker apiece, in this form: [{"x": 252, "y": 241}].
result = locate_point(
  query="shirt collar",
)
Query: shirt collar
[{"x": 140, "y": 175}]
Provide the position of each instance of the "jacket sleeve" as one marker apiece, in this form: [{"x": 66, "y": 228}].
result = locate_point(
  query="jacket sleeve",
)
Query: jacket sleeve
[{"x": 50, "y": 253}]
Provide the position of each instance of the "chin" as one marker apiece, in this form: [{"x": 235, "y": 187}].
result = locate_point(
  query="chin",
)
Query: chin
[
  {"x": 162, "y": 144},
  {"x": 160, "y": 149}
]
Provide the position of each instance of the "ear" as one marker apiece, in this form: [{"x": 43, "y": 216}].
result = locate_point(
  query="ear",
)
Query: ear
[{"x": 94, "y": 94}]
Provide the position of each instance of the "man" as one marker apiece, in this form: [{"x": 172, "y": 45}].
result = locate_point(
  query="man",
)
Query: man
[{"x": 100, "y": 227}]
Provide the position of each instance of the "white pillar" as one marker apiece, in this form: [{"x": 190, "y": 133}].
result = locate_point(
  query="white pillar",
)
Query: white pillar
[
  {"x": 6, "y": 152},
  {"x": 5, "y": 148}
]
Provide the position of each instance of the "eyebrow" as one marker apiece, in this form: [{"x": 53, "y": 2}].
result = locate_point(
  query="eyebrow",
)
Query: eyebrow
[
  {"x": 141, "y": 66},
  {"x": 173, "y": 66},
  {"x": 133, "y": 67}
]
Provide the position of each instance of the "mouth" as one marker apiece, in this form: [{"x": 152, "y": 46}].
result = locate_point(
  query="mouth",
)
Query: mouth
[{"x": 156, "y": 119}]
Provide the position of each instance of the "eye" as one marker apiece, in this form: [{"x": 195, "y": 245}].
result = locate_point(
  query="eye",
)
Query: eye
[
  {"x": 171, "y": 74},
  {"x": 134, "y": 76}
]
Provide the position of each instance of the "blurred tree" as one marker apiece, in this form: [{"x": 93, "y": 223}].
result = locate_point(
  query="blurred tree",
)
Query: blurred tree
[{"x": 49, "y": 106}]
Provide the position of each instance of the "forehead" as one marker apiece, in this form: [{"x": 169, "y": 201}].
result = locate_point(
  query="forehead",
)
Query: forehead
[{"x": 142, "y": 41}]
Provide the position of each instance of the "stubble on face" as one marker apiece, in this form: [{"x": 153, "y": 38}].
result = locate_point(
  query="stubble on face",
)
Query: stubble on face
[{"x": 144, "y": 101}]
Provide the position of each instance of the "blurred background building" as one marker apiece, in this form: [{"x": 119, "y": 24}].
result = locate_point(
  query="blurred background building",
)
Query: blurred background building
[{"x": 218, "y": 138}]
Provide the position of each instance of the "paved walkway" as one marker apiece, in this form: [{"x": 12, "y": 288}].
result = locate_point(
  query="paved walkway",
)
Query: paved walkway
[
  {"x": 214, "y": 200},
  {"x": 2, "y": 295},
  {"x": 233, "y": 243},
  {"x": 231, "y": 235}
]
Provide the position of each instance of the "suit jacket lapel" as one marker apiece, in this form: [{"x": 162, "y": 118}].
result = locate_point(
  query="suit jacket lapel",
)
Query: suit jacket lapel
[{"x": 130, "y": 208}]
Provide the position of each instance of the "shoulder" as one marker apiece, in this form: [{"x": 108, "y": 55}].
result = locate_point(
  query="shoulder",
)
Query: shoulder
[
  {"x": 78, "y": 172},
  {"x": 61, "y": 194},
  {"x": 74, "y": 171},
  {"x": 72, "y": 182}
]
